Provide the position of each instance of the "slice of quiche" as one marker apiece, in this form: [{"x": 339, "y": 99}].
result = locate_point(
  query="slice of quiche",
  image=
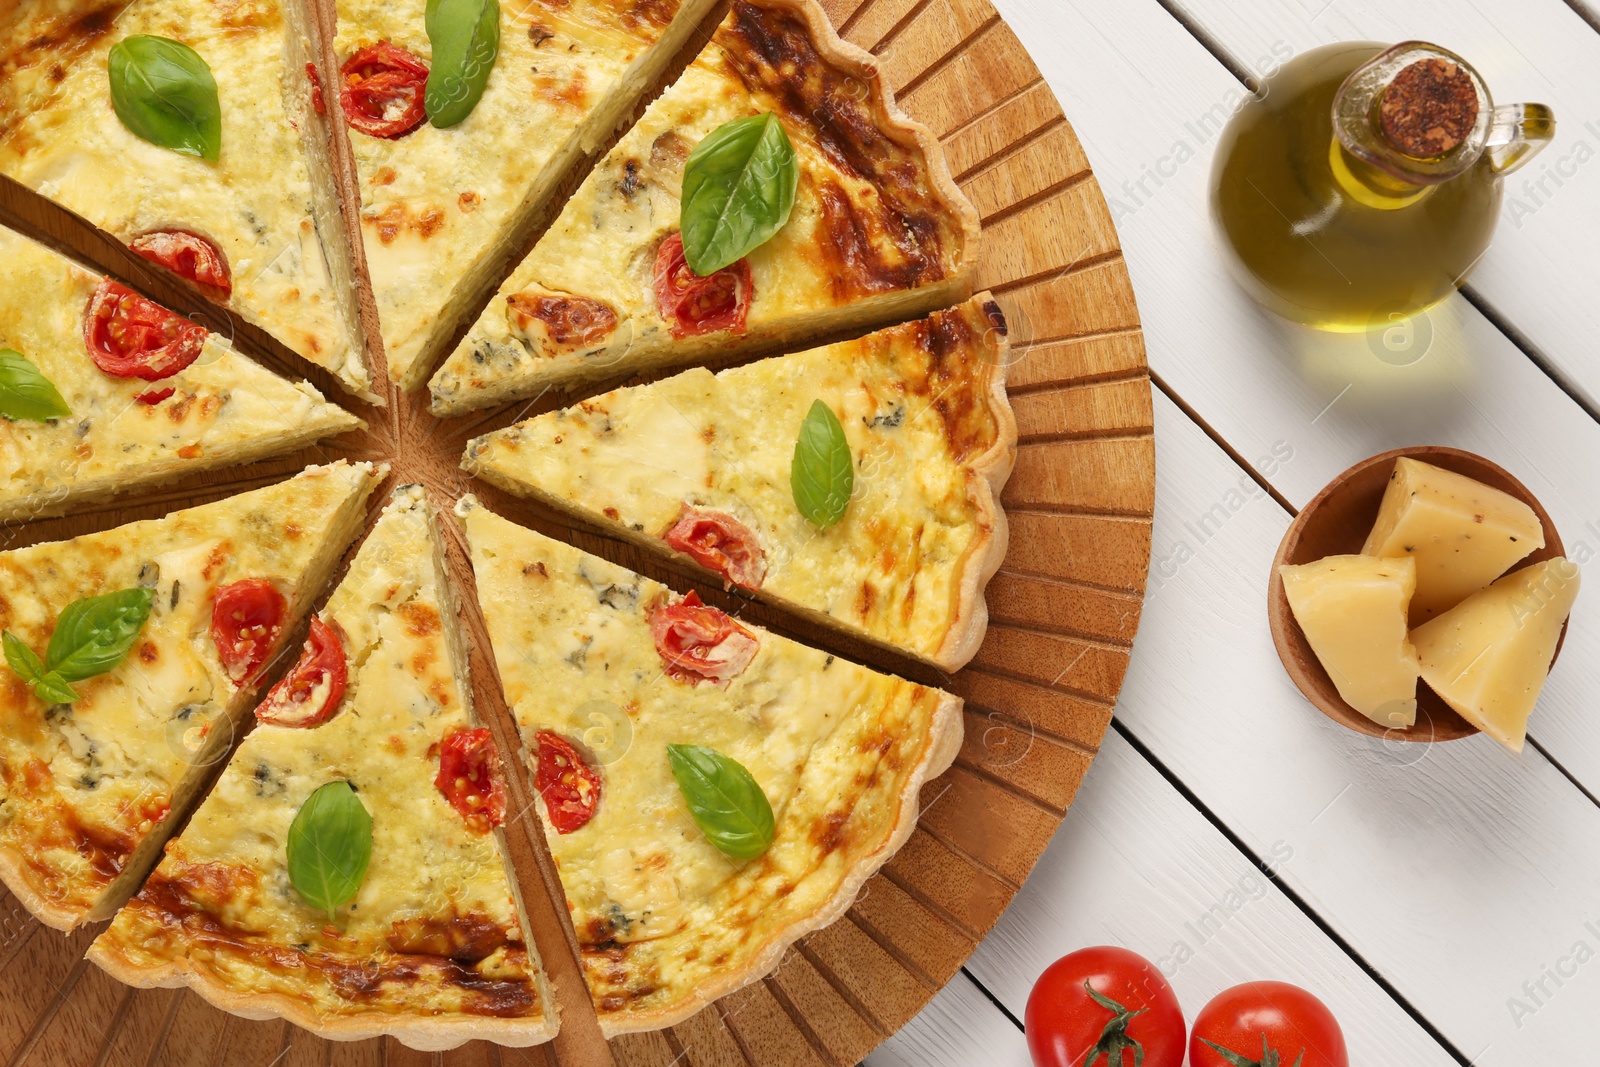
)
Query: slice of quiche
[
  {"x": 257, "y": 226},
  {"x": 427, "y": 944},
  {"x": 136, "y": 406},
  {"x": 704, "y": 465},
  {"x": 800, "y": 771},
  {"x": 131, "y": 656},
  {"x": 446, "y": 209},
  {"x": 878, "y": 233}
]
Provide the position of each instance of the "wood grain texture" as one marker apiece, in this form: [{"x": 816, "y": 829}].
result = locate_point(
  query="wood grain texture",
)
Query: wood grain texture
[{"x": 1066, "y": 605}]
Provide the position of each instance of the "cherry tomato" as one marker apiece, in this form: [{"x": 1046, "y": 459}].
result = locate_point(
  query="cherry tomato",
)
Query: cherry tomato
[
  {"x": 469, "y": 777},
  {"x": 245, "y": 620},
  {"x": 698, "y": 643},
  {"x": 1105, "y": 1006},
  {"x": 693, "y": 305},
  {"x": 131, "y": 337},
  {"x": 382, "y": 89},
  {"x": 719, "y": 542},
  {"x": 154, "y": 396},
  {"x": 310, "y": 692},
  {"x": 1266, "y": 1024},
  {"x": 188, "y": 255},
  {"x": 569, "y": 786}
]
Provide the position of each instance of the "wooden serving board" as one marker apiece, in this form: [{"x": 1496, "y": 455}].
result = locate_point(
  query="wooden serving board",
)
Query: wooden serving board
[{"x": 1064, "y": 608}]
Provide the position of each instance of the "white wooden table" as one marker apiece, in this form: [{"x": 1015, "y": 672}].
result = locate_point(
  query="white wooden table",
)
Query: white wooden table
[{"x": 1444, "y": 900}]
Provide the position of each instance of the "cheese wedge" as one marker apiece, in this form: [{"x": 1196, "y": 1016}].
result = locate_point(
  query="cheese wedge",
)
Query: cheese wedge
[
  {"x": 879, "y": 232},
  {"x": 931, "y": 439},
  {"x": 603, "y": 670},
  {"x": 90, "y": 790},
  {"x": 268, "y": 203},
  {"x": 1462, "y": 533},
  {"x": 125, "y": 434},
  {"x": 434, "y": 931},
  {"x": 1352, "y": 610},
  {"x": 443, "y": 211},
  {"x": 1489, "y": 655}
]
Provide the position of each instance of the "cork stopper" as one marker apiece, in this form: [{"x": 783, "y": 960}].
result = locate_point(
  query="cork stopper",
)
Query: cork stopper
[{"x": 1429, "y": 108}]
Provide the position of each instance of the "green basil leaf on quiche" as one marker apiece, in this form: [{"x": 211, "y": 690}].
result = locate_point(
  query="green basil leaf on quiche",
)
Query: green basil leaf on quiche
[
  {"x": 94, "y": 635},
  {"x": 822, "y": 474},
  {"x": 25, "y": 393},
  {"x": 47, "y": 686},
  {"x": 725, "y": 800},
  {"x": 329, "y": 846},
  {"x": 164, "y": 93},
  {"x": 465, "y": 37},
  {"x": 738, "y": 190}
]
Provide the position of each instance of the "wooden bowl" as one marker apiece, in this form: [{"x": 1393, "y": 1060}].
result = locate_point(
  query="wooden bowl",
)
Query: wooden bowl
[{"x": 1337, "y": 522}]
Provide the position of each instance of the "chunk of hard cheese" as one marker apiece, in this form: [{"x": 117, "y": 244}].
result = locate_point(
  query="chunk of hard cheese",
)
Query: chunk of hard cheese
[
  {"x": 1352, "y": 610},
  {"x": 1489, "y": 655},
  {"x": 1462, "y": 533}
]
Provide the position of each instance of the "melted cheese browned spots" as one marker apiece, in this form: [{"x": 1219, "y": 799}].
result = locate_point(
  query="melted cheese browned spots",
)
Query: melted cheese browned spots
[
  {"x": 47, "y": 48},
  {"x": 771, "y": 50},
  {"x": 422, "y": 620},
  {"x": 569, "y": 322}
]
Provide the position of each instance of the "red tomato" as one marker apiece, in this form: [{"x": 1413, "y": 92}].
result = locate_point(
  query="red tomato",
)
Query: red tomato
[
  {"x": 569, "y": 786},
  {"x": 318, "y": 104},
  {"x": 311, "y": 692},
  {"x": 469, "y": 778},
  {"x": 698, "y": 644},
  {"x": 131, "y": 337},
  {"x": 1280, "y": 1023},
  {"x": 693, "y": 305},
  {"x": 154, "y": 396},
  {"x": 245, "y": 621},
  {"x": 188, "y": 255},
  {"x": 382, "y": 90},
  {"x": 1106, "y": 1004},
  {"x": 719, "y": 542}
]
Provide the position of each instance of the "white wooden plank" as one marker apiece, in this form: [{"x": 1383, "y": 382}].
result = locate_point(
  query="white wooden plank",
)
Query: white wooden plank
[
  {"x": 1538, "y": 272},
  {"x": 1135, "y": 865},
  {"x": 958, "y": 1028},
  {"x": 1147, "y": 100},
  {"x": 1458, "y": 871}
]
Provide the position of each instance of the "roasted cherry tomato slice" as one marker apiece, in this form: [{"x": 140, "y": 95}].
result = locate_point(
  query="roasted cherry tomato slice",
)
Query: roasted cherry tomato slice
[
  {"x": 693, "y": 305},
  {"x": 188, "y": 255},
  {"x": 569, "y": 786},
  {"x": 155, "y": 396},
  {"x": 719, "y": 542},
  {"x": 131, "y": 337},
  {"x": 381, "y": 88},
  {"x": 245, "y": 621},
  {"x": 1267, "y": 1023},
  {"x": 318, "y": 104},
  {"x": 698, "y": 643},
  {"x": 311, "y": 692},
  {"x": 1107, "y": 1006},
  {"x": 469, "y": 778}
]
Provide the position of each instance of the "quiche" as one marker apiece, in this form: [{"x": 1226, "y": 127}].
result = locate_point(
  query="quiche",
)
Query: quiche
[
  {"x": 136, "y": 414},
  {"x": 90, "y": 788},
  {"x": 430, "y": 949},
  {"x": 878, "y": 232},
  {"x": 702, "y": 464},
  {"x": 259, "y": 229},
  {"x": 444, "y": 211},
  {"x": 604, "y": 670}
]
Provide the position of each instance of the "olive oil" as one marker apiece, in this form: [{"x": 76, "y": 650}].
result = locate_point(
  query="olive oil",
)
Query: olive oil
[{"x": 1323, "y": 236}]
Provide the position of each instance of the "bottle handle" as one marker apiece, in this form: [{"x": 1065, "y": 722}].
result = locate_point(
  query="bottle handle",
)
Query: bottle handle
[{"x": 1517, "y": 132}]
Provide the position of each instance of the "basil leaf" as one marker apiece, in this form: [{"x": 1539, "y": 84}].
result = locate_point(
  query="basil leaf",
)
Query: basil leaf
[
  {"x": 465, "y": 35},
  {"x": 25, "y": 393},
  {"x": 329, "y": 846},
  {"x": 93, "y": 635},
  {"x": 822, "y": 473},
  {"x": 164, "y": 93},
  {"x": 48, "y": 686},
  {"x": 738, "y": 190},
  {"x": 726, "y": 801}
]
